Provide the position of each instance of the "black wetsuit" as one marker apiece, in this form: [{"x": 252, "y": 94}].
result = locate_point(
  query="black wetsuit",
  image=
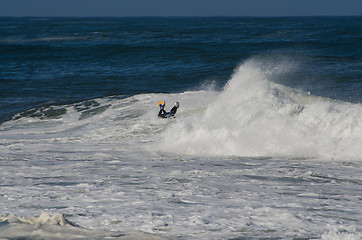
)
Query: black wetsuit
[
  {"x": 162, "y": 113},
  {"x": 173, "y": 110}
]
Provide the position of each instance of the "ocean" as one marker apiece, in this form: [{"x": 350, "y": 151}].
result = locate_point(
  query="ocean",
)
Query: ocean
[{"x": 266, "y": 143}]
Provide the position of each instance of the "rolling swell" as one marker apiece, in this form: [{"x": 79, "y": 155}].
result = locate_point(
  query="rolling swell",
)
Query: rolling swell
[
  {"x": 46, "y": 61},
  {"x": 251, "y": 117}
]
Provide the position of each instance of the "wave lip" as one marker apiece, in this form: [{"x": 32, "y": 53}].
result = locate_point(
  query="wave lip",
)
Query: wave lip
[{"x": 254, "y": 116}]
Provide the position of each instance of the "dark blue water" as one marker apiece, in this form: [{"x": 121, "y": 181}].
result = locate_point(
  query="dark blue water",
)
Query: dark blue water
[{"x": 46, "y": 61}]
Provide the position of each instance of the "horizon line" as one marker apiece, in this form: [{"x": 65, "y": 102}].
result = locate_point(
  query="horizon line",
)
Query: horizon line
[{"x": 184, "y": 16}]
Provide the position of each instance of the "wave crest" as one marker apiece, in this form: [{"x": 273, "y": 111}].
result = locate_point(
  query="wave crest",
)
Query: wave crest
[{"x": 254, "y": 116}]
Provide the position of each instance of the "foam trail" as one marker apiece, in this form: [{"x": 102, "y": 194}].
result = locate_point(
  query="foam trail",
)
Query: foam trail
[
  {"x": 253, "y": 116},
  {"x": 57, "y": 227}
]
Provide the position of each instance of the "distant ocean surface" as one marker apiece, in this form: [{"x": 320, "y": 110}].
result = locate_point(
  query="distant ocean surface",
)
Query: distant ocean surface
[
  {"x": 266, "y": 142},
  {"x": 64, "y": 60}
]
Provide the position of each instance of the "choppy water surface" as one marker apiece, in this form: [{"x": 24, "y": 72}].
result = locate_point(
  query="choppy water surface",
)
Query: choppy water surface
[{"x": 266, "y": 143}]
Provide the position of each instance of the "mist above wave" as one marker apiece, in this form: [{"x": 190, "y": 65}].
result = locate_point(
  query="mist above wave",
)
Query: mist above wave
[
  {"x": 251, "y": 116},
  {"x": 254, "y": 116}
]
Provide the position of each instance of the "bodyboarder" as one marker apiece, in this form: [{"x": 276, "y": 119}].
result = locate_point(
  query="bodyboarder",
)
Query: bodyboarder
[{"x": 171, "y": 114}]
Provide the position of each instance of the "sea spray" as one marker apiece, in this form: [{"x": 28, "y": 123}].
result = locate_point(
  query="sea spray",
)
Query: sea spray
[
  {"x": 253, "y": 116},
  {"x": 80, "y": 137}
]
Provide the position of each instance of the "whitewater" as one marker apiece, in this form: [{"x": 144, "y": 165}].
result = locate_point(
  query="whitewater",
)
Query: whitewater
[{"x": 255, "y": 160}]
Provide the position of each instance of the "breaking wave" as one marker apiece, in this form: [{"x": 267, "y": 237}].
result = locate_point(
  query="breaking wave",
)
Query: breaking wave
[
  {"x": 254, "y": 116},
  {"x": 251, "y": 116}
]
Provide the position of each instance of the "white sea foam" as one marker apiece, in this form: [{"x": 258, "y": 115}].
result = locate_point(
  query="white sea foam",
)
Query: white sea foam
[
  {"x": 110, "y": 168},
  {"x": 54, "y": 227},
  {"x": 253, "y": 116}
]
